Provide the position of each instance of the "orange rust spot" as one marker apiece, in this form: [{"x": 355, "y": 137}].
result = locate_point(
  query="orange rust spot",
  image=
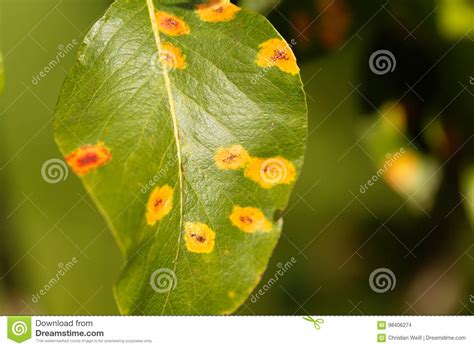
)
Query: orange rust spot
[
  {"x": 276, "y": 52},
  {"x": 231, "y": 158},
  {"x": 199, "y": 238},
  {"x": 170, "y": 24},
  {"x": 172, "y": 57},
  {"x": 217, "y": 11},
  {"x": 250, "y": 220},
  {"x": 269, "y": 172},
  {"x": 159, "y": 204},
  {"x": 88, "y": 157}
]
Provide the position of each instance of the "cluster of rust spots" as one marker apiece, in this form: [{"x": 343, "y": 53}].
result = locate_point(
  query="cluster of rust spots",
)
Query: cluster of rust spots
[
  {"x": 217, "y": 11},
  {"x": 86, "y": 158},
  {"x": 277, "y": 53},
  {"x": 160, "y": 204},
  {"x": 171, "y": 56},
  {"x": 267, "y": 172},
  {"x": 199, "y": 237}
]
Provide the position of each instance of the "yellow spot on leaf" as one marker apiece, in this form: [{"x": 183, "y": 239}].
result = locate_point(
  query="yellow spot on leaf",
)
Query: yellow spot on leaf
[
  {"x": 231, "y": 294},
  {"x": 172, "y": 57},
  {"x": 199, "y": 238},
  {"x": 159, "y": 204},
  {"x": 276, "y": 52},
  {"x": 88, "y": 157},
  {"x": 171, "y": 25},
  {"x": 234, "y": 157},
  {"x": 250, "y": 220},
  {"x": 217, "y": 11},
  {"x": 270, "y": 172}
]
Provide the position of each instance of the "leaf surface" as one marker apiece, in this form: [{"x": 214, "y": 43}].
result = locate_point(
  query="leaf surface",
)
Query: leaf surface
[
  {"x": 2, "y": 74},
  {"x": 187, "y": 125}
]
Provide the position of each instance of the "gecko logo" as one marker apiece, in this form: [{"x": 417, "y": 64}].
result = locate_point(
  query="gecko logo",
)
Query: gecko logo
[{"x": 19, "y": 329}]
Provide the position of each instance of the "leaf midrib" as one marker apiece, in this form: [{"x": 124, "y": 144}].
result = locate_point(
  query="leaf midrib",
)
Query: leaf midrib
[{"x": 156, "y": 33}]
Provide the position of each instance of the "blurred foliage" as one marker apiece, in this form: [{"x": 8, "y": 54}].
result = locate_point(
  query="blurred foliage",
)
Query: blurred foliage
[
  {"x": 337, "y": 234},
  {"x": 260, "y": 6},
  {"x": 455, "y": 17},
  {"x": 468, "y": 192}
]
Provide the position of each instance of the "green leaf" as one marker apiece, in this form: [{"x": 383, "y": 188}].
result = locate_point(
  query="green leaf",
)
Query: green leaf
[
  {"x": 169, "y": 135},
  {"x": 2, "y": 74}
]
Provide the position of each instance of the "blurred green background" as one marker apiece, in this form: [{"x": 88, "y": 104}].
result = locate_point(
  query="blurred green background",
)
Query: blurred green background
[{"x": 408, "y": 131}]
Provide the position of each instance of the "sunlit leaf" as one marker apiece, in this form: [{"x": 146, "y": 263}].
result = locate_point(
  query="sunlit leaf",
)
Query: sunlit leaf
[{"x": 164, "y": 117}]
